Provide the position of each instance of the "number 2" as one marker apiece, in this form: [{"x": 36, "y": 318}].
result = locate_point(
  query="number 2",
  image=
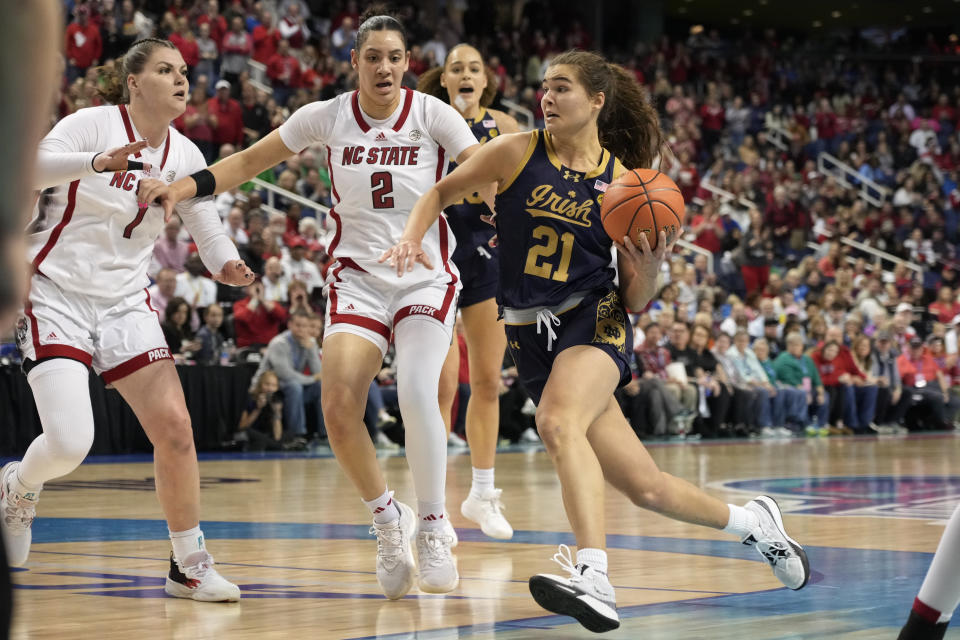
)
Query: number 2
[
  {"x": 382, "y": 184},
  {"x": 545, "y": 270}
]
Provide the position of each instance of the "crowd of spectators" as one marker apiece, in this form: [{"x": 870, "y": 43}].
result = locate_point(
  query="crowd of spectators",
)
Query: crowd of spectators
[{"x": 768, "y": 336}]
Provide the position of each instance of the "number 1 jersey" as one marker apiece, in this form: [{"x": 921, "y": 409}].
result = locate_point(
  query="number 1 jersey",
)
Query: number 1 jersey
[
  {"x": 91, "y": 236},
  {"x": 378, "y": 170}
]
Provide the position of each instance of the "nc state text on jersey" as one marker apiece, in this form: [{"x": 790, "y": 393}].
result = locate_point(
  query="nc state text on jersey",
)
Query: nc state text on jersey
[{"x": 385, "y": 156}]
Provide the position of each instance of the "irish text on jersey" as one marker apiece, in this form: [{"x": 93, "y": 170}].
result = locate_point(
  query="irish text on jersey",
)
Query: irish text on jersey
[{"x": 544, "y": 202}]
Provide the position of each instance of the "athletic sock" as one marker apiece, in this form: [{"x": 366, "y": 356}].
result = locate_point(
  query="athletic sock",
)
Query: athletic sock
[
  {"x": 186, "y": 543},
  {"x": 482, "y": 480},
  {"x": 384, "y": 509},
  {"x": 920, "y": 628},
  {"x": 742, "y": 521},
  {"x": 596, "y": 559},
  {"x": 431, "y": 515},
  {"x": 940, "y": 590}
]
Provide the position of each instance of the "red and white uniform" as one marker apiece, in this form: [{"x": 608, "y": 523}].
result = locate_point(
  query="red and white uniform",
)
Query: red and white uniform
[
  {"x": 378, "y": 170},
  {"x": 90, "y": 245}
]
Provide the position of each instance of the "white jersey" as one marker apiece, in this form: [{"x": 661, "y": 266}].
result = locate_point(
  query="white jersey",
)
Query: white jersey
[
  {"x": 88, "y": 234},
  {"x": 378, "y": 170}
]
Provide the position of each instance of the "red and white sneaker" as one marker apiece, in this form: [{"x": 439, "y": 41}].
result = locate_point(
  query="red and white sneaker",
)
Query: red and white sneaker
[
  {"x": 199, "y": 581},
  {"x": 18, "y": 508}
]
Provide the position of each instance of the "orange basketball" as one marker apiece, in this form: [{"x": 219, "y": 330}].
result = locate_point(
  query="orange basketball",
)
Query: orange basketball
[{"x": 642, "y": 201}]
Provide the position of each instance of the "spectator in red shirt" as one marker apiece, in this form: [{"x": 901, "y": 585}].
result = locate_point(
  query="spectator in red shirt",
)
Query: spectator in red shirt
[
  {"x": 946, "y": 307},
  {"x": 826, "y": 121},
  {"x": 284, "y": 72},
  {"x": 186, "y": 43},
  {"x": 229, "y": 117},
  {"x": 836, "y": 373},
  {"x": 713, "y": 118},
  {"x": 218, "y": 24},
  {"x": 924, "y": 384},
  {"x": 780, "y": 217},
  {"x": 293, "y": 27},
  {"x": 235, "y": 50},
  {"x": 707, "y": 228},
  {"x": 83, "y": 44},
  {"x": 265, "y": 39},
  {"x": 256, "y": 320}
]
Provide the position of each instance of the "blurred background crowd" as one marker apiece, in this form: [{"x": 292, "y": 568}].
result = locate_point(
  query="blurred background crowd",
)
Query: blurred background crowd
[{"x": 817, "y": 290}]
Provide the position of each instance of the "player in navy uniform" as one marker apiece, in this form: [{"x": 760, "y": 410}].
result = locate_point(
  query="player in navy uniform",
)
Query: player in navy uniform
[
  {"x": 464, "y": 82},
  {"x": 567, "y": 325}
]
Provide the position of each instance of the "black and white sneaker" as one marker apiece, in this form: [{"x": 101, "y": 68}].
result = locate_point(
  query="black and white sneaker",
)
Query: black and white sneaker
[
  {"x": 784, "y": 555},
  {"x": 586, "y": 594}
]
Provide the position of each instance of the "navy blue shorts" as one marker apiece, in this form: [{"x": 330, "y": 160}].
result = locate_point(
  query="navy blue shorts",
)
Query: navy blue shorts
[
  {"x": 599, "y": 320},
  {"x": 479, "y": 274}
]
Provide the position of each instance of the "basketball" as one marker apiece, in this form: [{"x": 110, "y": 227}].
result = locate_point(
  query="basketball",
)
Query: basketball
[{"x": 642, "y": 201}]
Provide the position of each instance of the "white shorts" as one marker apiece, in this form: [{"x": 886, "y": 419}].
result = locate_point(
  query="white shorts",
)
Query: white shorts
[
  {"x": 370, "y": 307},
  {"x": 114, "y": 336}
]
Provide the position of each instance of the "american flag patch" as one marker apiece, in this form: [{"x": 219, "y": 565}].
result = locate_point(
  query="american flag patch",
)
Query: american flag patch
[
  {"x": 490, "y": 123},
  {"x": 600, "y": 185}
]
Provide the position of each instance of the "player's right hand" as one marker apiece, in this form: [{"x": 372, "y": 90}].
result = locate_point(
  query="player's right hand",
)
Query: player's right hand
[
  {"x": 152, "y": 191},
  {"x": 116, "y": 159},
  {"x": 404, "y": 255}
]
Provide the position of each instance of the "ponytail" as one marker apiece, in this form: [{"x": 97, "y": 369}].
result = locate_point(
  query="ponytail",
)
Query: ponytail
[{"x": 628, "y": 125}]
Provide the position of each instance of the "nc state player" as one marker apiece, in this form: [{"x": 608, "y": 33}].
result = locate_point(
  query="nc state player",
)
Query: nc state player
[
  {"x": 89, "y": 244},
  {"x": 386, "y": 145}
]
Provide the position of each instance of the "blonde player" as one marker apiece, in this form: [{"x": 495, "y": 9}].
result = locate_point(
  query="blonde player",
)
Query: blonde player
[
  {"x": 90, "y": 243},
  {"x": 462, "y": 81},
  {"x": 386, "y": 145}
]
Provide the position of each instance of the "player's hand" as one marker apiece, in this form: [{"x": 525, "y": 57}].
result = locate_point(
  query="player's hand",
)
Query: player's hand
[
  {"x": 405, "y": 255},
  {"x": 235, "y": 273},
  {"x": 153, "y": 191},
  {"x": 116, "y": 159},
  {"x": 645, "y": 260}
]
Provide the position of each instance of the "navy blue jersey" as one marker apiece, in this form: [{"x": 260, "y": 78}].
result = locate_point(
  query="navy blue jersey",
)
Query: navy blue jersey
[
  {"x": 551, "y": 242},
  {"x": 464, "y": 217}
]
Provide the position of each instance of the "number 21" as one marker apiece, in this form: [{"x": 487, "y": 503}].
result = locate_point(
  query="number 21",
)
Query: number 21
[{"x": 535, "y": 267}]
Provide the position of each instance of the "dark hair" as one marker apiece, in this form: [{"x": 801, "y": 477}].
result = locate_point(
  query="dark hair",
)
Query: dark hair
[
  {"x": 378, "y": 18},
  {"x": 173, "y": 306},
  {"x": 628, "y": 124},
  {"x": 429, "y": 82},
  {"x": 112, "y": 81}
]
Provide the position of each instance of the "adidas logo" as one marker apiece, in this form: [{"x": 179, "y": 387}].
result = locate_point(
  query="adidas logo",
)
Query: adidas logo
[
  {"x": 380, "y": 137},
  {"x": 52, "y": 336},
  {"x": 349, "y": 307},
  {"x": 432, "y": 517}
]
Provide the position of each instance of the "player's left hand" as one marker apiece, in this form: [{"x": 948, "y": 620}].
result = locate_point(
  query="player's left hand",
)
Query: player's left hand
[
  {"x": 235, "y": 273},
  {"x": 405, "y": 255},
  {"x": 645, "y": 260}
]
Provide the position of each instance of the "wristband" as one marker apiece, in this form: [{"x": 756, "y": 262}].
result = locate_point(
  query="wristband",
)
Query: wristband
[{"x": 206, "y": 183}]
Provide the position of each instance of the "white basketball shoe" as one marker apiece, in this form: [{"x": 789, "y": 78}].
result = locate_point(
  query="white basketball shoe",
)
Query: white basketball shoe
[
  {"x": 438, "y": 567},
  {"x": 586, "y": 594},
  {"x": 487, "y": 512},
  {"x": 18, "y": 508},
  {"x": 784, "y": 554},
  {"x": 395, "y": 567},
  {"x": 198, "y": 580}
]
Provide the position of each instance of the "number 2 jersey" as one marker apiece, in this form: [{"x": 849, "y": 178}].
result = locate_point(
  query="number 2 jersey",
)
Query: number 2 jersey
[
  {"x": 378, "y": 170},
  {"x": 552, "y": 244},
  {"x": 88, "y": 234}
]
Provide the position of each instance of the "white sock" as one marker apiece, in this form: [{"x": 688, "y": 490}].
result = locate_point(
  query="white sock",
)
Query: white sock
[
  {"x": 742, "y": 521},
  {"x": 186, "y": 543},
  {"x": 431, "y": 515},
  {"x": 384, "y": 509},
  {"x": 482, "y": 480},
  {"x": 941, "y": 588},
  {"x": 596, "y": 559}
]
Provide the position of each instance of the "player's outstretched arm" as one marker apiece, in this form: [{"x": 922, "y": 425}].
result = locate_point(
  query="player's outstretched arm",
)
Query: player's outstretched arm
[
  {"x": 639, "y": 267},
  {"x": 227, "y": 174},
  {"x": 477, "y": 167}
]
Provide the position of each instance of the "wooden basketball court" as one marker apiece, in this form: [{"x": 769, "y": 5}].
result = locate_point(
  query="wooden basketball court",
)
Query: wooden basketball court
[{"x": 294, "y": 535}]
